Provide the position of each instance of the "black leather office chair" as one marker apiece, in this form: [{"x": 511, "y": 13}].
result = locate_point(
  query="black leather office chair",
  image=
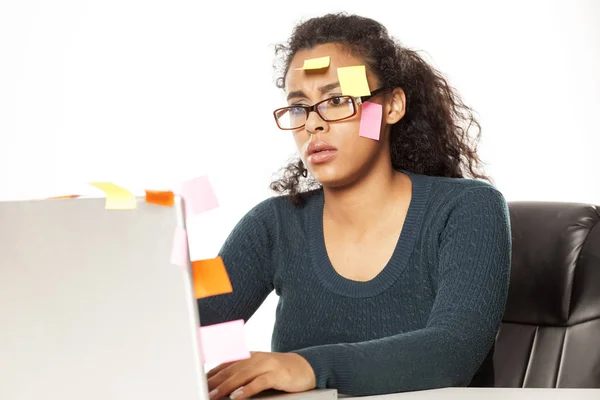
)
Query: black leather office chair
[{"x": 550, "y": 334}]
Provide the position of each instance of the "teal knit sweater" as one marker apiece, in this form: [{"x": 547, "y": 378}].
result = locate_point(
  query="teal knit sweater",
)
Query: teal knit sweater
[{"x": 428, "y": 320}]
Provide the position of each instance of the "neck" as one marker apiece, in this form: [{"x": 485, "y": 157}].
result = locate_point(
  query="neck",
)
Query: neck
[{"x": 370, "y": 199}]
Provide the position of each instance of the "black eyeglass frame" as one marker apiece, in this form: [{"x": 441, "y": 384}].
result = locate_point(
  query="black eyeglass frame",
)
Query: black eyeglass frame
[{"x": 309, "y": 109}]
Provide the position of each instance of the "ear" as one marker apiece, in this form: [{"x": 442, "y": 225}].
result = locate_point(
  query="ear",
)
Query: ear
[{"x": 396, "y": 106}]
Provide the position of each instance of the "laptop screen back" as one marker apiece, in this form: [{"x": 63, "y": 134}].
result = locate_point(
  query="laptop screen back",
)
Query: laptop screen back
[{"x": 91, "y": 307}]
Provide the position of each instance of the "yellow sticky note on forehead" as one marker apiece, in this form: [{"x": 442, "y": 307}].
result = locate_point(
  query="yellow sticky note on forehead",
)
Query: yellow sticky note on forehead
[
  {"x": 316, "y": 63},
  {"x": 353, "y": 81},
  {"x": 117, "y": 198}
]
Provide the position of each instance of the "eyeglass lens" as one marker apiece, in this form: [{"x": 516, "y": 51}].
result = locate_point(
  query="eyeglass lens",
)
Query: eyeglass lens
[{"x": 335, "y": 108}]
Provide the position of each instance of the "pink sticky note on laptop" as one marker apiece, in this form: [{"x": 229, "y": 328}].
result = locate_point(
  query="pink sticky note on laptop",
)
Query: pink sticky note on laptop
[
  {"x": 223, "y": 343},
  {"x": 198, "y": 196},
  {"x": 179, "y": 253},
  {"x": 370, "y": 120}
]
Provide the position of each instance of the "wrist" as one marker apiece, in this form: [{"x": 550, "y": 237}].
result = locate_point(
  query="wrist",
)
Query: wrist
[{"x": 307, "y": 370}]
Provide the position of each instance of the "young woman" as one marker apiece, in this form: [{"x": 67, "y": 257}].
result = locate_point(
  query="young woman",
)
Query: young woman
[{"x": 390, "y": 257}]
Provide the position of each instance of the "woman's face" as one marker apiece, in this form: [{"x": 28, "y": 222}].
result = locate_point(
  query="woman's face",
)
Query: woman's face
[{"x": 353, "y": 155}]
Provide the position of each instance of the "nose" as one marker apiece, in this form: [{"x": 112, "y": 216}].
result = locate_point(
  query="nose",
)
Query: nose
[{"x": 314, "y": 123}]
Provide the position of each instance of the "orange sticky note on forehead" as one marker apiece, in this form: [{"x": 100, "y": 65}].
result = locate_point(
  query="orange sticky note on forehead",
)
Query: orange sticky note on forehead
[
  {"x": 353, "y": 81},
  {"x": 316, "y": 63},
  {"x": 210, "y": 278}
]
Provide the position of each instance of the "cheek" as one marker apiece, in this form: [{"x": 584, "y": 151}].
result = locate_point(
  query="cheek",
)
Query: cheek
[
  {"x": 348, "y": 139},
  {"x": 357, "y": 150}
]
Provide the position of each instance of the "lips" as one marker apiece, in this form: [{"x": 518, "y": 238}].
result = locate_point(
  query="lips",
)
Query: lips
[
  {"x": 320, "y": 152},
  {"x": 319, "y": 146}
]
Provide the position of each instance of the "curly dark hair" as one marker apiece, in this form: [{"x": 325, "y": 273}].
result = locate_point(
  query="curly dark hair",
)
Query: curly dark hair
[{"x": 434, "y": 136}]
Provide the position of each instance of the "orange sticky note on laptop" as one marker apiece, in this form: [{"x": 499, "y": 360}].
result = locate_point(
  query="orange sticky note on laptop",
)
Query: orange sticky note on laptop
[
  {"x": 69, "y": 196},
  {"x": 210, "y": 278},
  {"x": 161, "y": 198}
]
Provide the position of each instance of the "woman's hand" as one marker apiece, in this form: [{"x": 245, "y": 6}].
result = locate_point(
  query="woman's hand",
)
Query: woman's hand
[{"x": 287, "y": 372}]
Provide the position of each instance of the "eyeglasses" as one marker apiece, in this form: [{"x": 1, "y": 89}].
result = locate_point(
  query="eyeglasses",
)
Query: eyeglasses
[{"x": 333, "y": 109}]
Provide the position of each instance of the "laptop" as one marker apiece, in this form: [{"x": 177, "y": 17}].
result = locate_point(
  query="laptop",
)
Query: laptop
[{"x": 91, "y": 307}]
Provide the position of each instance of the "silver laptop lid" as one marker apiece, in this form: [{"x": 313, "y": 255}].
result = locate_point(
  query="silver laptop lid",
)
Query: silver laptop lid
[{"x": 90, "y": 305}]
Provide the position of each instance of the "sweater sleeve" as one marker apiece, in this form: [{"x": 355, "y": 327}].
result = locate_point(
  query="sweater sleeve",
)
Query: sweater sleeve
[
  {"x": 474, "y": 265},
  {"x": 247, "y": 255}
]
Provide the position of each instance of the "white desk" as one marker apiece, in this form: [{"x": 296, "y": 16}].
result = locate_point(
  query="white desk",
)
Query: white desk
[{"x": 490, "y": 394}]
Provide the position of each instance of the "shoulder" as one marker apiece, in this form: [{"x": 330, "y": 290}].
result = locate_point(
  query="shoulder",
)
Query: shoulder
[
  {"x": 462, "y": 202},
  {"x": 456, "y": 193},
  {"x": 460, "y": 185},
  {"x": 272, "y": 221},
  {"x": 278, "y": 211},
  {"x": 468, "y": 217}
]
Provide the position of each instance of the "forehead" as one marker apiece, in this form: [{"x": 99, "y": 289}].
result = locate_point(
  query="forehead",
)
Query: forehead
[{"x": 339, "y": 57}]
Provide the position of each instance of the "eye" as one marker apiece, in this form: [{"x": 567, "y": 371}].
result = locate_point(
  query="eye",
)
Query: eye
[
  {"x": 296, "y": 110},
  {"x": 338, "y": 101},
  {"x": 299, "y": 104}
]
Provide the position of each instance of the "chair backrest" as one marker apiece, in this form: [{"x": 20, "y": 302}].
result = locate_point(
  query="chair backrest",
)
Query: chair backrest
[{"x": 550, "y": 334}]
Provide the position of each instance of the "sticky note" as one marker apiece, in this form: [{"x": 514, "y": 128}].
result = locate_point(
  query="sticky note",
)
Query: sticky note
[
  {"x": 198, "y": 196},
  {"x": 69, "y": 196},
  {"x": 210, "y": 278},
  {"x": 353, "y": 81},
  {"x": 370, "y": 120},
  {"x": 316, "y": 63},
  {"x": 223, "y": 343},
  {"x": 179, "y": 253},
  {"x": 161, "y": 198},
  {"x": 117, "y": 198}
]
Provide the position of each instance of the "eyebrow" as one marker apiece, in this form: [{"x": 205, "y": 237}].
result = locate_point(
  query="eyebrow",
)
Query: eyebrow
[{"x": 322, "y": 89}]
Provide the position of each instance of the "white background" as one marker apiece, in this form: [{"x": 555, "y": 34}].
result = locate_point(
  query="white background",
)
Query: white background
[{"x": 148, "y": 93}]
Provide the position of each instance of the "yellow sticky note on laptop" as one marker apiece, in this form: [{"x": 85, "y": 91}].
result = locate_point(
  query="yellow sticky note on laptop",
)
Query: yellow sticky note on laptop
[
  {"x": 316, "y": 63},
  {"x": 117, "y": 198},
  {"x": 353, "y": 81}
]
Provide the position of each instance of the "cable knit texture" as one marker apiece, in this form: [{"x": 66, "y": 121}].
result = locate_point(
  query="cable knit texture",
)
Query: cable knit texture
[{"x": 428, "y": 320}]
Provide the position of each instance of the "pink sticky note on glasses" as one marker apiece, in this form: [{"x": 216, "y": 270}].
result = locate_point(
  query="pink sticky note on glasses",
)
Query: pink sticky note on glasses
[
  {"x": 370, "y": 120},
  {"x": 198, "y": 196},
  {"x": 222, "y": 343},
  {"x": 179, "y": 253}
]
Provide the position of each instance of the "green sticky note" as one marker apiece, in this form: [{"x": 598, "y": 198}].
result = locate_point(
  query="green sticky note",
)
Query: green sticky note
[{"x": 353, "y": 81}]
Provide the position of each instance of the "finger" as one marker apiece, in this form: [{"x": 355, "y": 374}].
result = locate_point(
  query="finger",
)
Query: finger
[
  {"x": 227, "y": 372},
  {"x": 257, "y": 385},
  {"x": 218, "y": 369},
  {"x": 239, "y": 379},
  {"x": 223, "y": 366},
  {"x": 224, "y": 371}
]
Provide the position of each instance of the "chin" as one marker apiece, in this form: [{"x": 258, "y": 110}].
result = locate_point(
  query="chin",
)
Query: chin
[
  {"x": 333, "y": 177},
  {"x": 331, "y": 180}
]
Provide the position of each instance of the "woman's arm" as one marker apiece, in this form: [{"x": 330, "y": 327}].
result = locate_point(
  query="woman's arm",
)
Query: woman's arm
[
  {"x": 474, "y": 257},
  {"x": 247, "y": 257}
]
